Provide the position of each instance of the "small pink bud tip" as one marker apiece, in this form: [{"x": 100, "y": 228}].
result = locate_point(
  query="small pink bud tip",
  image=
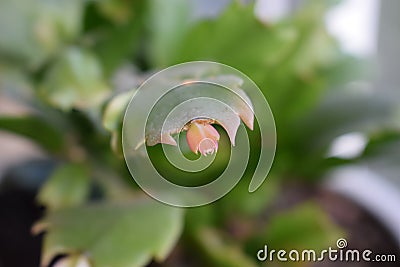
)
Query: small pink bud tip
[{"x": 202, "y": 137}]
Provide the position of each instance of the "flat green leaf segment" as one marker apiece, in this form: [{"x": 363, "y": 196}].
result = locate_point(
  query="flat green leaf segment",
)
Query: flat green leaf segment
[
  {"x": 117, "y": 235},
  {"x": 112, "y": 118},
  {"x": 216, "y": 97},
  {"x": 75, "y": 81},
  {"x": 22, "y": 125},
  {"x": 67, "y": 187}
]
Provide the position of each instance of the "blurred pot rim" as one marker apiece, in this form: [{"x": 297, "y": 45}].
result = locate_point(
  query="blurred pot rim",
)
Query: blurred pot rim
[{"x": 375, "y": 193}]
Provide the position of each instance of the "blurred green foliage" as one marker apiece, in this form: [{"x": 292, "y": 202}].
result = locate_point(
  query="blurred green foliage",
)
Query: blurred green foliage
[
  {"x": 67, "y": 187},
  {"x": 61, "y": 58},
  {"x": 37, "y": 30},
  {"x": 113, "y": 234}
]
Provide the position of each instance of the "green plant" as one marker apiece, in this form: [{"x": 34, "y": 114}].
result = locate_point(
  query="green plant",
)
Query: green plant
[{"x": 61, "y": 62}]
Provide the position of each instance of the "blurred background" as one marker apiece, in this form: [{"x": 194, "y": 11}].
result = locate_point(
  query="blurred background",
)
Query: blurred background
[{"x": 329, "y": 70}]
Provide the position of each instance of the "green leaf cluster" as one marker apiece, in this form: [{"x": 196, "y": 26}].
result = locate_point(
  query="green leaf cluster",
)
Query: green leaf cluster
[{"x": 61, "y": 59}]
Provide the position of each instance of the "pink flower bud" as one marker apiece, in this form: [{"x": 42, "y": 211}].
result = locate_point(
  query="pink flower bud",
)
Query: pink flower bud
[{"x": 203, "y": 137}]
